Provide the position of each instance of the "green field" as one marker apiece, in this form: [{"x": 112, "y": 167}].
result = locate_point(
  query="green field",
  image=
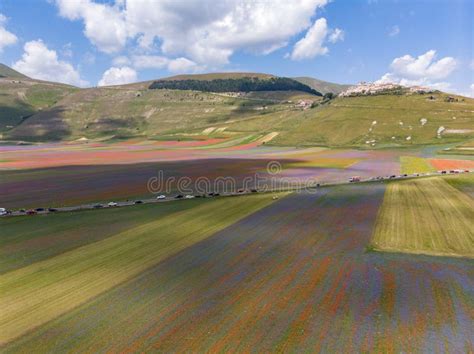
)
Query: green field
[
  {"x": 426, "y": 216},
  {"x": 412, "y": 164},
  {"x": 33, "y": 295}
]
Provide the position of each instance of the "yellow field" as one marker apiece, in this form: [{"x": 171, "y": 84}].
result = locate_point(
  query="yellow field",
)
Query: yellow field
[
  {"x": 426, "y": 216},
  {"x": 411, "y": 164},
  {"x": 324, "y": 163}
]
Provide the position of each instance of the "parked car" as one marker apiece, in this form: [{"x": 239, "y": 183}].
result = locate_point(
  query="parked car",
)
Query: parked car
[
  {"x": 138, "y": 202},
  {"x": 179, "y": 196},
  {"x": 189, "y": 196},
  {"x": 97, "y": 206},
  {"x": 52, "y": 210},
  {"x": 22, "y": 211},
  {"x": 216, "y": 194},
  {"x": 39, "y": 209},
  {"x": 31, "y": 212},
  {"x": 275, "y": 197},
  {"x": 354, "y": 179},
  {"x": 3, "y": 211},
  {"x": 253, "y": 190},
  {"x": 161, "y": 197}
]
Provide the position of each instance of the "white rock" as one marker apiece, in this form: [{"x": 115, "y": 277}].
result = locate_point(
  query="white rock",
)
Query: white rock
[
  {"x": 401, "y": 123},
  {"x": 408, "y": 138},
  {"x": 374, "y": 122},
  {"x": 440, "y": 130},
  {"x": 423, "y": 121}
]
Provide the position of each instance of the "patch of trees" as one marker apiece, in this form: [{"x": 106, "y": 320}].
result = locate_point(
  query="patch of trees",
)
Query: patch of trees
[{"x": 245, "y": 84}]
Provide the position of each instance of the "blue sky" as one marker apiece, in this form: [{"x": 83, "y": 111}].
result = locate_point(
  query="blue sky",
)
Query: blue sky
[{"x": 86, "y": 42}]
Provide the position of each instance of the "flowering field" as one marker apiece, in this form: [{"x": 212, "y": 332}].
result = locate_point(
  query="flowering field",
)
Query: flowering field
[
  {"x": 413, "y": 164},
  {"x": 292, "y": 276},
  {"x": 444, "y": 164}
]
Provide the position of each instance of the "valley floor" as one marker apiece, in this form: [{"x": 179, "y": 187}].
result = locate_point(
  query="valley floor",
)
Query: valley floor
[
  {"x": 251, "y": 274},
  {"x": 373, "y": 267}
]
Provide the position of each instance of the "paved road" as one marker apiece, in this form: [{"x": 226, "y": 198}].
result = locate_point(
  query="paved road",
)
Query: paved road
[{"x": 173, "y": 199}]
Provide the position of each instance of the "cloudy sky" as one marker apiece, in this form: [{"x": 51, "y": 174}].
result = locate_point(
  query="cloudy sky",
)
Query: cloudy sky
[{"x": 93, "y": 42}]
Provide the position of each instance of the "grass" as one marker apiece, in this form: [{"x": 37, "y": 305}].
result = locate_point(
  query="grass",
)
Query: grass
[
  {"x": 40, "y": 292},
  {"x": 26, "y": 240},
  {"x": 464, "y": 183},
  {"x": 20, "y": 99},
  {"x": 426, "y": 216},
  {"x": 412, "y": 164},
  {"x": 347, "y": 121}
]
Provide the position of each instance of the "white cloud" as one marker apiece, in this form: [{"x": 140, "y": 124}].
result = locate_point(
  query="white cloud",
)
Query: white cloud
[
  {"x": 204, "y": 31},
  {"x": 424, "y": 66},
  {"x": 42, "y": 63},
  {"x": 423, "y": 70},
  {"x": 67, "y": 50},
  {"x": 150, "y": 62},
  {"x": 469, "y": 93},
  {"x": 121, "y": 61},
  {"x": 311, "y": 44},
  {"x": 178, "y": 65},
  {"x": 394, "y": 31},
  {"x": 6, "y": 38},
  {"x": 336, "y": 35},
  {"x": 183, "y": 65},
  {"x": 104, "y": 25},
  {"x": 118, "y": 76}
]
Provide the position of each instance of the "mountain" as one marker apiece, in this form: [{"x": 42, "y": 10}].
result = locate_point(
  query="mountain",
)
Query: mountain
[
  {"x": 21, "y": 97},
  {"x": 7, "y": 72},
  {"x": 38, "y": 111},
  {"x": 322, "y": 86}
]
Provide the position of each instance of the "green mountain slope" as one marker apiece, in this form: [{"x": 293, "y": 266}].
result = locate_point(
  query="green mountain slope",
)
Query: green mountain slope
[
  {"x": 6, "y": 71},
  {"x": 322, "y": 86},
  {"x": 38, "y": 111},
  {"x": 22, "y": 97}
]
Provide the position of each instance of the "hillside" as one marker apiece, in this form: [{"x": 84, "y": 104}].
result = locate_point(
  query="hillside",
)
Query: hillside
[
  {"x": 6, "y": 71},
  {"x": 22, "y": 97},
  {"x": 322, "y": 86},
  {"x": 38, "y": 111}
]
